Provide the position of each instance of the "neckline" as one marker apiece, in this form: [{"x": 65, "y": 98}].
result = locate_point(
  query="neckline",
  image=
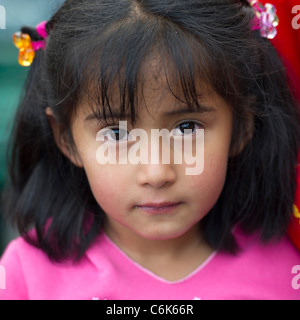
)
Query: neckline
[{"x": 152, "y": 274}]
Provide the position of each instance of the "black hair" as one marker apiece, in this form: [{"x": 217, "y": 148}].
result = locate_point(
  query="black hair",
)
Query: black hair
[{"x": 92, "y": 44}]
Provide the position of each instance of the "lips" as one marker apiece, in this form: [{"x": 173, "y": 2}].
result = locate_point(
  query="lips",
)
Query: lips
[{"x": 159, "y": 208}]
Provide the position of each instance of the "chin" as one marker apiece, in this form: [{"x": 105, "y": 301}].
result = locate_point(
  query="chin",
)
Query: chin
[{"x": 161, "y": 235}]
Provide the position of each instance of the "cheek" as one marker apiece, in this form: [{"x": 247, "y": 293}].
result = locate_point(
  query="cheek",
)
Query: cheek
[
  {"x": 211, "y": 182},
  {"x": 216, "y": 155},
  {"x": 208, "y": 186},
  {"x": 108, "y": 185}
]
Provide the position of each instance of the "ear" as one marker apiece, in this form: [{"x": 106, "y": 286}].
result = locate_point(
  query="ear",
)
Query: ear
[
  {"x": 245, "y": 132},
  {"x": 61, "y": 141}
]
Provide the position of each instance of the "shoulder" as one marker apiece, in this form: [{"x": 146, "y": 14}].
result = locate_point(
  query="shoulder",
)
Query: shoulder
[
  {"x": 270, "y": 251},
  {"x": 12, "y": 266},
  {"x": 11, "y": 257},
  {"x": 269, "y": 268},
  {"x": 20, "y": 253},
  {"x": 28, "y": 271},
  {"x": 277, "y": 254},
  {"x": 31, "y": 275}
]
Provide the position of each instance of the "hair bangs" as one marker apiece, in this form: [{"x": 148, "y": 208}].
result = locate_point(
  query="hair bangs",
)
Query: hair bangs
[{"x": 113, "y": 80}]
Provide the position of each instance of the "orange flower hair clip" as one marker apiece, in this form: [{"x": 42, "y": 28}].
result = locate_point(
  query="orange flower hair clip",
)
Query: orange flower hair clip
[{"x": 27, "y": 47}]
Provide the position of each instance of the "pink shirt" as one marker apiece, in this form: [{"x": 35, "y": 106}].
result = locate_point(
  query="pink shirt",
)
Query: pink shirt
[{"x": 105, "y": 272}]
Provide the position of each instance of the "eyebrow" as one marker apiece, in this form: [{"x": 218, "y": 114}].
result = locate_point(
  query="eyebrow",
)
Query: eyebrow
[
  {"x": 201, "y": 109},
  {"x": 94, "y": 116}
]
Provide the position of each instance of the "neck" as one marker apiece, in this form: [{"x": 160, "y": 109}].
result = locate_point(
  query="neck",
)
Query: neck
[{"x": 144, "y": 250}]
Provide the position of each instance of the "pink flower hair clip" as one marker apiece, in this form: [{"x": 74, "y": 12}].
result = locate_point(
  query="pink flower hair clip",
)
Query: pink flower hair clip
[{"x": 266, "y": 19}]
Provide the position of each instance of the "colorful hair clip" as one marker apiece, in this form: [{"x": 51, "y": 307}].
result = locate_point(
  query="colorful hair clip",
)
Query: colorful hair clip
[
  {"x": 266, "y": 19},
  {"x": 28, "y": 47}
]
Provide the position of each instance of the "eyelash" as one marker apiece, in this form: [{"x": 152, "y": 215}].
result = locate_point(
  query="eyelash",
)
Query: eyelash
[
  {"x": 195, "y": 123},
  {"x": 112, "y": 128}
]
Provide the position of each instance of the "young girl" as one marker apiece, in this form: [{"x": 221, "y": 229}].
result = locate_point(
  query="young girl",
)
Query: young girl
[{"x": 144, "y": 230}]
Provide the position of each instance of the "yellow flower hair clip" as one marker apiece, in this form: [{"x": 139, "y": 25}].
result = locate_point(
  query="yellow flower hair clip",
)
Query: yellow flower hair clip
[{"x": 27, "y": 47}]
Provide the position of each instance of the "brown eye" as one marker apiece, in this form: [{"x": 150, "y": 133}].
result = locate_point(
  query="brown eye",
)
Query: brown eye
[
  {"x": 187, "y": 127},
  {"x": 115, "y": 134}
]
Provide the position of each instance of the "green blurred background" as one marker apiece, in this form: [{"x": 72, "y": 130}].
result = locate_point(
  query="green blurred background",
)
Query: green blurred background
[{"x": 12, "y": 76}]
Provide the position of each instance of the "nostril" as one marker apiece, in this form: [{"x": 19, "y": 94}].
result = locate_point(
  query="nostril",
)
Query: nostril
[{"x": 156, "y": 175}]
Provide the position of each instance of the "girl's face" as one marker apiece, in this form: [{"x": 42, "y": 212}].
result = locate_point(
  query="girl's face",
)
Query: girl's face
[{"x": 157, "y": 201}]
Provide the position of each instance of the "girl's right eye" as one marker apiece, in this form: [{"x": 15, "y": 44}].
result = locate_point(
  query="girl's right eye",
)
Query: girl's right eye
[{"x": 115, "y": 134}]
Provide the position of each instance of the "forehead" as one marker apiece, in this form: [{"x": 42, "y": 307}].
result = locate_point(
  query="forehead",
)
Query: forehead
[{"x": 158, "y": 83}]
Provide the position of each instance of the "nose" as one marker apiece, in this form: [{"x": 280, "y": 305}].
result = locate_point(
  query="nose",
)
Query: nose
[{"x": 156, "y": 175}]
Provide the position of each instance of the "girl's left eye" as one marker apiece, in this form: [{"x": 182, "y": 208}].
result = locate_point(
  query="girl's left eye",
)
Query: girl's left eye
[{"x": 191, "y": 126}]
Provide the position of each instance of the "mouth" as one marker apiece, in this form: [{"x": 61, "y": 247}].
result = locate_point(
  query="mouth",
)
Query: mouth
[{"x": 159, "y": 208}]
